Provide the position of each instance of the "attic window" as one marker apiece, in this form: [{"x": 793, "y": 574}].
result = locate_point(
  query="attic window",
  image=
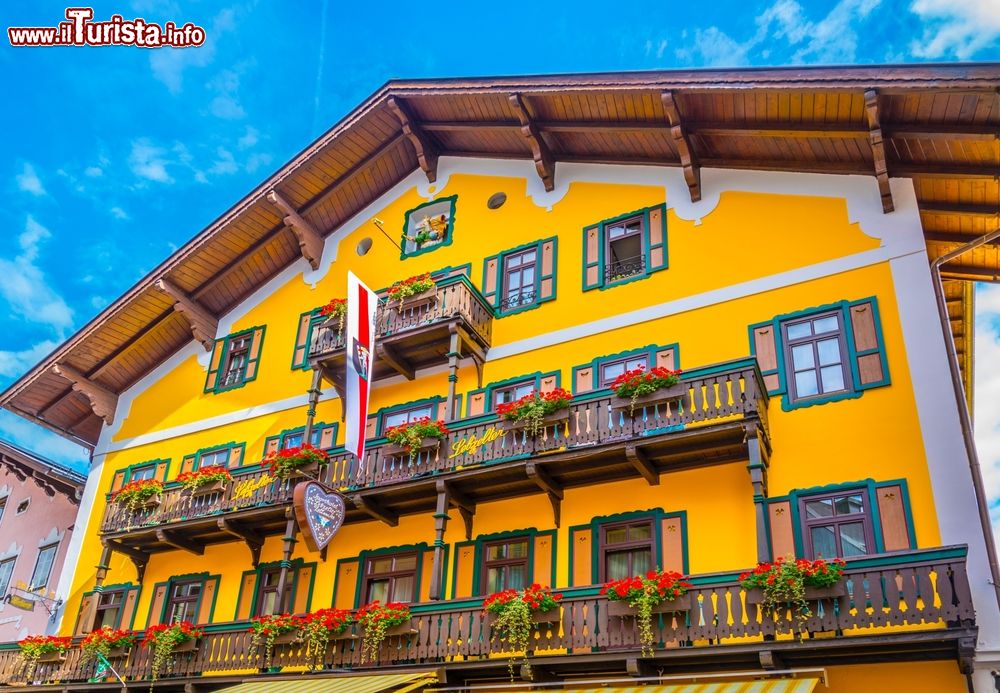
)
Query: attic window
[{"x": 23, "y": 505}]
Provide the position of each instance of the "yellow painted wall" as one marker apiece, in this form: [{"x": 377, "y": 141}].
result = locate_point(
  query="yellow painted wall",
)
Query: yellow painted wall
[
  {"x": 747, "y": 237},
  {"x": 922, "y": 677}
]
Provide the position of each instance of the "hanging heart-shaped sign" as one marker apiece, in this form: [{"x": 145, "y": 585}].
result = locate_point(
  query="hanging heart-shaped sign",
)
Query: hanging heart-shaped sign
[{"x": 319, "y": 513}]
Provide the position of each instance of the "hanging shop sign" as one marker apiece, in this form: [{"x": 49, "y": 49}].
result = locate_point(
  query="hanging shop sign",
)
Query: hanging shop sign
[{"x": 319, "y": 512}]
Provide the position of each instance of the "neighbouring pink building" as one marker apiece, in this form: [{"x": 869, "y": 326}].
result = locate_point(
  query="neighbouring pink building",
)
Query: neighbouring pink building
[{"x": 39, "y": 501}]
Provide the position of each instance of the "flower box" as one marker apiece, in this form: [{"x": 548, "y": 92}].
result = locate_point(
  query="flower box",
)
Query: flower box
[
  {"x": 119, "y": 652},
  {"x": 402, "y": 629},
  {"x": 153, "y": 502},
  {"x": 680, "y": 604},
  {"x": 208, "y": 489},
  {"x": 288, "y": 638},
  {"x": 56, "y": 657},
  {"x": 188, "y": 645},
  {"x": 557, "y": 417},
  {"x": 756, "y": 596},
  {"x": 653, "y": 398},
  {"x": 310, "y": 470},
  {"x": 393, "y": 450},
  {"x": 540, "y": 618},
  {"x": 424, "y": 297}
]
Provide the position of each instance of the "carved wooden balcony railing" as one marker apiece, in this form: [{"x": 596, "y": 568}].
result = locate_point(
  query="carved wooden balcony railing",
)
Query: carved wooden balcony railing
[
  {"x": 410, "y": 335},
  {"x": 706, "y": 426},
  {"x": 926, "y": 589}
]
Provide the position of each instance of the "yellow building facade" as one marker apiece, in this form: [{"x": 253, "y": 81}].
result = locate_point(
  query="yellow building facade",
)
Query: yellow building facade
[{"x": 814, "y": 419}]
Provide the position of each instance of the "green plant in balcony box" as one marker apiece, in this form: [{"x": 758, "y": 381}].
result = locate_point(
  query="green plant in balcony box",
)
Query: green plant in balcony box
[
  {"x": 163, "y": 639},
  {"x": 785, "y": 581},
  {"x": 534, "y": 407},
  {"x": 192, "y": 481},
  {"x": 105, "y": 639},
  {"x": 266, "y": 629},
  {"x": 335, "y": 309},
  {"x": 284, "y": 462},
  {"x": 514, "y": 621},
  {"x": 375, "y": 620},
  {"x": 412, "y": 286},
  {"x": 320, "y": 627},
  {"x": 644, "y": 593},
  {"x": 411, "y": 435},
  {"x": 638, "y": 382},
  {"x": 136, "y": 494},
  {"x": 35, "y": 648}
]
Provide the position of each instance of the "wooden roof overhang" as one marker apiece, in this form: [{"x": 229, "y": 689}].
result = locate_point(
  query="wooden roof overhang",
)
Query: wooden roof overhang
[
  {"x": 938, "y": 124},
  {"x": 49, "y": 476}
]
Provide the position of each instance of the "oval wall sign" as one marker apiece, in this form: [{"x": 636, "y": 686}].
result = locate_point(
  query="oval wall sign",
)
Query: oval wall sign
[{"x": 320, "y": 513}]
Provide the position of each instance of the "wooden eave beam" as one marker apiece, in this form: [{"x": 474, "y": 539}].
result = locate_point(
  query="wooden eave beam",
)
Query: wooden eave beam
[
  {"x": 425, "y": 149},
  {"x": 984, "y": 211},
  {"x": 540, "y": 153},
  {"x": 203, "y": 324},
  {"x": 388, "y": 354},
  {"x": 639, "y": 460},
  {"x": 954, "y": 271},
  {"x": 178, "y": 542},
  {"x": 957, "y": 238},
  {"x": 309, "y": 238},
  {"x": 134, "y": 554},
  {"x": 253, "y": 540},
  {"x": 103, "y": 402},
  {"x": 689, "y": 161},
  {"x": 878, "y": 149},
  {"x": 375, "y": 510}
]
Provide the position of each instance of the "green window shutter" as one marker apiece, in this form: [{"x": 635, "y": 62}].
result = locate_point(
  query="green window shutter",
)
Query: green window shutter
[
  {"x": 868, "y": 363},
  {"x": 593, "y": 247},
  {"x": 491, "y": 279},
  {"x": 253, "y": 357},
  {"x": 655, "y": 231},
  {"x": 212, "y": 379},
  {"x": 545, "y": 276}
]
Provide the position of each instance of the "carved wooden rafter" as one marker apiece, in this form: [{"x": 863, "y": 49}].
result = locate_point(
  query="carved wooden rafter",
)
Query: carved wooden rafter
[
  {"x": 427, "y": 152},
  {"x": 103, "y": 401},
  {"x": 140, "y": 559},
  {"x": 466, "y": 506},
  {"x": 309, "y": 238},
  {"x": 203, "y": 324},
  {"x": 253, "y": 540},
  {"x": 637, "y": 457},
  {"x": 878, "y": 149},
  {"x": 545, "y": 163},
  {"x": 387, "y": 516},
  {"x": 399, "y": 363},
  {"x": 550, "y": 486},
  {"x": 180, "y": 542},
  {"x": 689, "y": 161}
]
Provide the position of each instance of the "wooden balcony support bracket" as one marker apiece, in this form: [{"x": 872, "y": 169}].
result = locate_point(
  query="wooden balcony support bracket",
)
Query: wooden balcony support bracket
[
  {"x": 179, "y": 542},
  {"x": 545, "y": 163},
  {"x": 425, "y": 149},
  {"x": 375, "y": 510},
  {"x": 466, "y": 506},
  {"x": 288, "y": 548},
  {"x": 139, "y": 558},
  {"x": 757, "y": 466},
  {"x": 536, "y": 674},
  {"x": 203, "y": 324},
  {"x": 309, "y": 238},
  {"x": 440, "y": 527},
  {"x": 966, "y": 655},
  {"x": 689, "y": 161},
  {"x": 878, "y": 149},
  {"x": 550, "y": 486},
  {"x": 467, "y": 346},
  {"x": 388, "y": 354},
  {"x": 639, "y": 668},
  {"x": 253, "y": 540},
  {"x": 103, "y": 402},
  {"x": 638, "y": 459},
  {"x": 769, "y": 659}
]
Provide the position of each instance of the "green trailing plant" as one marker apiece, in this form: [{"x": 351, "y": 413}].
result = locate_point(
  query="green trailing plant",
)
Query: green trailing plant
[
  {"x": 513, "y": 622},
  {"x": 639, "y": 382},
  {"x": 34, "y": 647},
  {"x": 644, "y": 593},
  {"x": 192, "y": 481},
  {"x": 320, "y": 627},
  {"x": 135, "y": 494},
  {"x": 376, "y": 619},
  {"x": 534, "y": 407},
  {"x": 265, "y": 630},
  {"x": 103, "y": 640},
  {"x": 410, "y": 435},
  {"x": 784, "y": 582},
  {"x": 163, "y": 639},
  {"x": 284, "y": 462},
  {"x": 410, "y": 287},
  {"x": 336, "y": 308}
]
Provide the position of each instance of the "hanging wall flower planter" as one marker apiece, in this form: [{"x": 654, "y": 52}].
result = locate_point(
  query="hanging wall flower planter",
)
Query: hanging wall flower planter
[{"x": 640, "y": 388}]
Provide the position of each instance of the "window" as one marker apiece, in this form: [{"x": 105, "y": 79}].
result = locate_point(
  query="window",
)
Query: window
[
  {"x": 267, "y": 592},
  {"x": 43, "y": 567},
  {"x": 236, "y": 361},
  {"x": 402, "y": 416},
  {"x": 6, "y": 569},
  {"x": 626, "y": 549},
  {"x": 519, "y": 279},
  {"x": 214, "y": 458},
  {"x": 142, "y": 473},
  {"x": 293, "y": 439},
  {"x": 837, "y": 526},
  {"x": 183, "y": 602},
  {"x": 22, "y": 507},
  {"x": 505, "y": 565},
  {"x": 815, "y": 356},
  {"x": 612, "y": 369},
  {"x": 391, "y": 578},
  {"x": 109, "y": 609},
  {"x": 3, "y": 506},
  {"x": 624, "y": 256},
  {"x": 512, "y": 393}
]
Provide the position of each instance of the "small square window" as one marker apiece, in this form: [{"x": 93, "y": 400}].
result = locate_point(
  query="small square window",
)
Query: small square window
[
  {"x": 183, "y": 602},
  {"x": 144, "y": 473},
  {"x": 43, "y": 567},
  {"x": 391, "y": 578},
  {"x": 512, "y": 393},
  {"x": 293, "y": 439},
  {"x": 402, "y": 416},
  {"x": 837, "y": 525},
  {"x": 520, "y": 275},
  {"x": 215, "y": 458},
  {"x": 626, "y": 550},
  {"x": 505, "y": 565},
  {"x": 625, "y": 255},
  {"x": 236, "y": 361},
  {"x": 23, "y": 506},
  {"x": 815, "y": 356},
  {"x": 109, "y": 609},
  {"x": 610, "y": 370}
]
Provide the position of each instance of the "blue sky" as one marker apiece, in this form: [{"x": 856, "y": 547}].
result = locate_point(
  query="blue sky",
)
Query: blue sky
[{"x": 115, "y": 156}]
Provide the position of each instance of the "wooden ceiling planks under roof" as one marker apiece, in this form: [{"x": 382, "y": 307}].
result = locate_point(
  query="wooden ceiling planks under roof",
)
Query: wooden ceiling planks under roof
[{"x": 939, "y": 124}]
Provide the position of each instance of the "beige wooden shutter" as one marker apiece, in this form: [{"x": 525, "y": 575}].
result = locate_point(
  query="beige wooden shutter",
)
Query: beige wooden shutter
[
  {"x": 303, "y": 581},
  {"x": 465, "y": 569},
  {"x": 583, "y": 380},
  {"x": 656, "y": 238},
  {"x": 582, "y": 571},
  {"x": 326, "y": 436},
  {"x": 118, "y": 481},
  {"x": 128, "y": 608},
  {"x": 86, "y": 616},
  {"x": 869, "y": 350},
  {"x": 782, "y": 531},
  {"x": 300, "y": 358},
  {"x": 547, "y": 271},
  {"x": 543, "y": 555},
  {"x": 248, "y": 588},
  {"x": 593, "y": 272},
  {"x": 667, "y": 358},
  {"x": 765, "y": 343},
  {"x": 187, "y": 463},
  {"x": 547, "y": 383},
  {"x": 236, "y": 455},
  {"x": 477, "y": 403},
  {"x": 212, "y": 379},
  {"x": 156, "y": 605},
  {"x": 161, "y": 469},
  {"x": 253, "y": 357},
  {"x": 892, "y": 511},
  {"x": 491, "y": 271},
  {"x": 345, "y": 590},
  {"x": 208, "y": 591},
  {"x": 672, "y": 544}
]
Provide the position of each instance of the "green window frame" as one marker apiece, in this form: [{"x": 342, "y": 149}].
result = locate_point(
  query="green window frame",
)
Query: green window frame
[
  {"x": 436, "y": 405},
  {"x": 490, "y": 388},
  {"x": 227, "y": 449},
  {"x": 423, "y": 553},
  {"x": 410, "y": 231},
  {"x": 289, "y": 433},
  {"x": 653, "y": 256},
  {"x": 128, "y": 473},
  {"x": 218, "y": 379},
  {"x": 480, "y": 546},
  {"x": 293, "y": 587},
  {"x": 544, "y": 284},
  {"x": 598, "y": 363},
  {"x": 124, "y": 589},
  {"x": 203, "y": 578},
  {"x": 315, "y": 320}
]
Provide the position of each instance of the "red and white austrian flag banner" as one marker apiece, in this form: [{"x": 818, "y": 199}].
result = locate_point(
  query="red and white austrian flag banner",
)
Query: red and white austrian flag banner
[{"x": 360, "y": 345}]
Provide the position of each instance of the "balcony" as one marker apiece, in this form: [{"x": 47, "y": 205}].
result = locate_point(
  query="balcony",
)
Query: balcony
[
  {"x": 903, "y": 606},
  {"x": 480, "y": 461},
  {"x": 417, "y": 333}
]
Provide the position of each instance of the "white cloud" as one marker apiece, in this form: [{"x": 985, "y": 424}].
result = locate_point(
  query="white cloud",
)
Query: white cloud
[
  {"x": 956, "y": 29},
  {"x": 28, "y": 181},
  {"x": 93, "y": 172},
  {"x": 14, "y": 363},
  {"x": 168, "y": 64},
  {"x": 255, "y": 161},
  {"x": 24, "y": 287},
  {"x": 226, "y": 106},
  {"x": 224, "y": 163},
  {"x": 147, "y": 161},
  {"x": 118, "y": 213}
]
